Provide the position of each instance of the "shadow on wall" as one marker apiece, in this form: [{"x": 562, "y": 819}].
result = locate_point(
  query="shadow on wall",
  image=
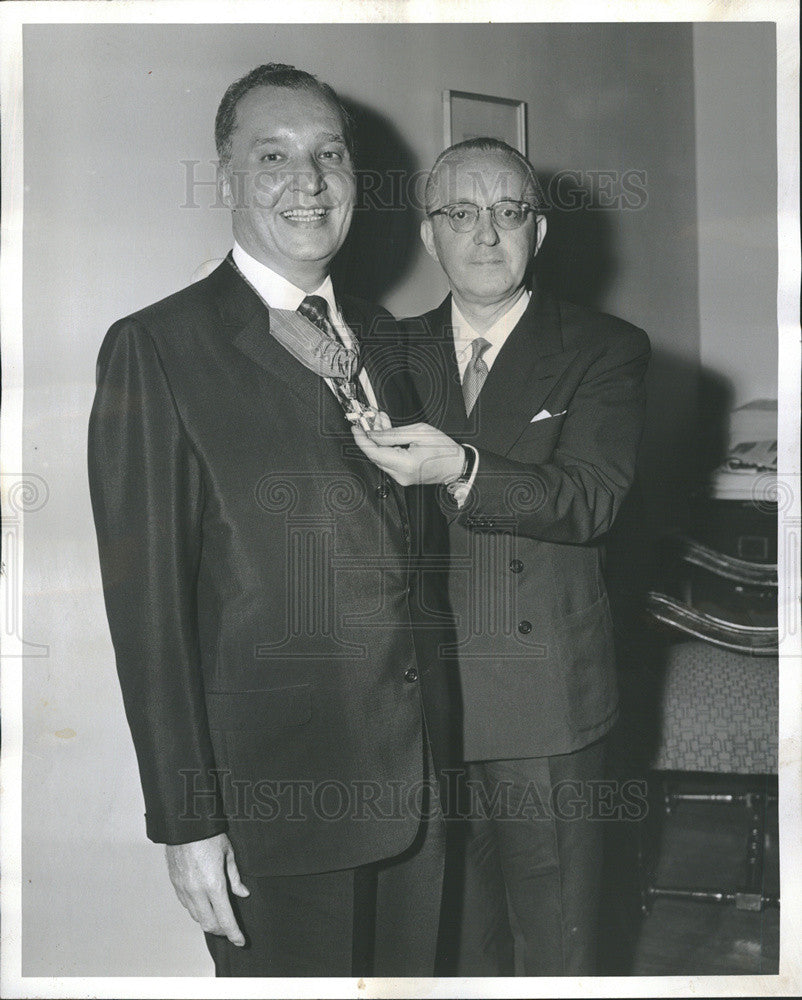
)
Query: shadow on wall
[
  {"x": 576, "y": 262},
  {"x": 383, "y": 239},
  {"x": 687, "y": 409},
  {"x": 685, "y": 439},
  {"x": 685, "y": 436}
]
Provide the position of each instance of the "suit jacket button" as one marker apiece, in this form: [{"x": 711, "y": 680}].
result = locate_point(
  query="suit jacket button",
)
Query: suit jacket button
[
  {"x": 524, "y": 627},
  {"x": 411, "y": 675},
  {"x": 382, "y": 492},
  {"x": 516, "y": 565}
]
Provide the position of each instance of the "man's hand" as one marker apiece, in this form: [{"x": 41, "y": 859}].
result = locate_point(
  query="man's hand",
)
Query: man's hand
[
  {"x": 198, "y": 873},
  {"x": 416, "y": 454}
]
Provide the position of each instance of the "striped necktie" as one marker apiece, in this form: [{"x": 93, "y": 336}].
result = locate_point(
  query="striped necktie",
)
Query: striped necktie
[{"x": 316, "y": 310}]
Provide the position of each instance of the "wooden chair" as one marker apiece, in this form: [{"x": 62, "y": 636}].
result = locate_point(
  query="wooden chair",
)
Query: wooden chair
[{"x": 713, "y": 661}]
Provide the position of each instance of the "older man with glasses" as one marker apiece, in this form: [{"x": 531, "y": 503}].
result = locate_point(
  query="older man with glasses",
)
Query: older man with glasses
[{"x": 534, "y": 416}]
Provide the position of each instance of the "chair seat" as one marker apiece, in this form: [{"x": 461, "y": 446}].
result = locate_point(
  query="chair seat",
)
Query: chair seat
[{"x": 720, "y": 711}]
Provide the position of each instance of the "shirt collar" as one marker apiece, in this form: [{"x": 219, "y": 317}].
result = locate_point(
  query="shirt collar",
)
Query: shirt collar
[
  {"x": 276, "y": 291},
  {"x": 464, "y": 333}
]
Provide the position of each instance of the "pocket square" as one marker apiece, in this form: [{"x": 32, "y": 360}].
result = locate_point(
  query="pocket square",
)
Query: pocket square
[{"x": 544, "y": 415}]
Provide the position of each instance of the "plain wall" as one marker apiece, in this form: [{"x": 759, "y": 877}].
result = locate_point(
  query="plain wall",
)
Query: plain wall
[
  {"x": 736, "y": 178},
  {"x": 110, "y": 114}
]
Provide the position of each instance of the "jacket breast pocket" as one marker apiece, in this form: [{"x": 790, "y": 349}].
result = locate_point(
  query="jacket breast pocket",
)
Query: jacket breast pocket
[{"x": 538, "y": 439}]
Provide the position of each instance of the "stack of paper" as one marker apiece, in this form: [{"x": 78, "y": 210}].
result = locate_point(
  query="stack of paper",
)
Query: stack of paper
[{"x": 750, "y": 469}]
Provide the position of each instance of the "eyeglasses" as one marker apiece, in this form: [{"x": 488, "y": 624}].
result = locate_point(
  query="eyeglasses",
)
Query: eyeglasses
[{"x": 463, "y": 216}]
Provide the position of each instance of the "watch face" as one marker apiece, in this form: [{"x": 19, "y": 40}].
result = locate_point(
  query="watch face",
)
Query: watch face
[{"x": 457, "y": 486}]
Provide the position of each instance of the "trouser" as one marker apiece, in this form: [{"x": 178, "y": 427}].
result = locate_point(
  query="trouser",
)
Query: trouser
[
  {"x": 533, "y": 856},
  {"x": 379, "y": 919}
]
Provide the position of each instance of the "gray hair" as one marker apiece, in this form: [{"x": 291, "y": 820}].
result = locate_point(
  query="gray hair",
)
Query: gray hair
[{"x": 485, "y": 144}]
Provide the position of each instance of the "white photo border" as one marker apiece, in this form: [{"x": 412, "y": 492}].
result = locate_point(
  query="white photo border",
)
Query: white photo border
[{"x": 784, "y": 13}]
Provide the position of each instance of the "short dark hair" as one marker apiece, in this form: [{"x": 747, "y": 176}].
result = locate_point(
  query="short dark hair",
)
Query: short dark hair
[
  {"x": 272, "y": 75},
  {"x": 486, "y": 144}
]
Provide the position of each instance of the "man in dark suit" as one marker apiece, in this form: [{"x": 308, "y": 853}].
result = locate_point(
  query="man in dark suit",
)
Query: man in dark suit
[
  {"x": 538, "y": 406},
  {"x": 286, "y": 705}
]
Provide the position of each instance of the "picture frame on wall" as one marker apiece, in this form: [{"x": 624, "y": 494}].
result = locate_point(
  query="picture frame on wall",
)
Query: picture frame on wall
[{"x": 467, "y": 116}]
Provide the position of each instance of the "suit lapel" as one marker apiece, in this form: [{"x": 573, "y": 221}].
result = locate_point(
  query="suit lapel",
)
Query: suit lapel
[
  {"x": 523, "y": 376},
  {"x": 434, "y": 343},
  {"x": 358, "y": 322},
  {"x": 247, "y": 320},
  {"x": 381, "y": 355}
]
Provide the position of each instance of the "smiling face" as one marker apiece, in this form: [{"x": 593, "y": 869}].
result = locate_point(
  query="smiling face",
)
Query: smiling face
[
  {"x": 289, "y": 182},
  {"x": 487, "y": 266}
]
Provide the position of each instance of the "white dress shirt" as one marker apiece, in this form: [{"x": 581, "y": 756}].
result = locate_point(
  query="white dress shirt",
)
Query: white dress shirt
[
  {"x": 464, "y": 336},
  {"x": 464, "y": 333},
  {"x": 279, "y": 293}
]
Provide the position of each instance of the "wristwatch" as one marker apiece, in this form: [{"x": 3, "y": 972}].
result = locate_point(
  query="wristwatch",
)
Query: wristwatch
[{"x": 470, "y": 456}]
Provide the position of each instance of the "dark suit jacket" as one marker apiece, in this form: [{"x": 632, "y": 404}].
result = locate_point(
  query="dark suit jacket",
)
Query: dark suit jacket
[
  {"x": 258, "y": 581},
  {"x": 535, "y": 648}
]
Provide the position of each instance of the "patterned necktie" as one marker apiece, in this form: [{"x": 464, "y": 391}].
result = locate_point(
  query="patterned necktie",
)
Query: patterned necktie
[
  {"x": 316, "y": 310},
  {"x": 475, "y": 373}
]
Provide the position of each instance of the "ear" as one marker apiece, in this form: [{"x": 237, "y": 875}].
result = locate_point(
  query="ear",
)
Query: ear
[
  {"x": 540, "y": 222},
  {"x": 427, "y": 235},
  {"x": 224, "y": 187}
]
